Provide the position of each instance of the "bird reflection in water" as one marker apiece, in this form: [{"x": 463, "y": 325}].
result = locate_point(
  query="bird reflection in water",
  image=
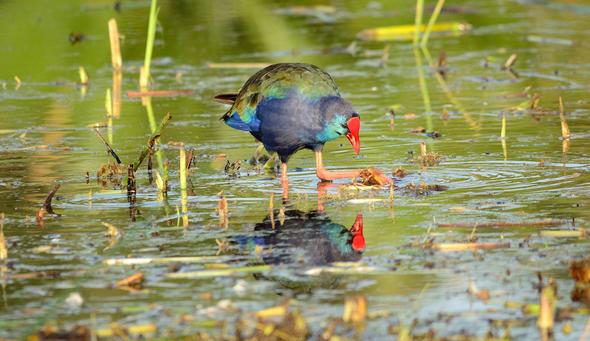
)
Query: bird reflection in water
[
  {"x": 306, "y": 238},
  {"x": 309, "y": 239}
]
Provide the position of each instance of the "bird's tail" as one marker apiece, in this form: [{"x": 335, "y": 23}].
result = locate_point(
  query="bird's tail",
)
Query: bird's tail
[{"x": 226, "y": 99}]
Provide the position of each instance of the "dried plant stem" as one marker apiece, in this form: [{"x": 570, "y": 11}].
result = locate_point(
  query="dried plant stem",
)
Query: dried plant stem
[
  {"x": 108, "y": 102},
  {"x": 503, "y": 131},
  {"x": 83, "y": 76},
  {"x": 422, "y": 148},
  {"x": 182, "y": 166},
  {"x": 565, "y": 130},
  {"x": 3, "y": 245},
  {"x": 117, "y": 93},
  {"x": 271, "y": 212},
  {"x": 110, "y": 149}
]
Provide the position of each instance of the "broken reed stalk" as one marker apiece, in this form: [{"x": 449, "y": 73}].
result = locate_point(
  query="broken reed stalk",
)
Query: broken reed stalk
[
  {"x": 151, "y": 142},
  {"x": 189, "y": 159},
  {"x": 422, "y": 148},
  {"x": 503, "y": 131},
  {"x": 547, "y": 302},
  {"x": 47, "y": 206},
  {"x": 149, "y": 47},
  {"x": 510, "y": 62},
  {"x": 83, "y": 76},
  {"x": 391, "y": 191},
  {"x": 418, "y": 20},
  {"x": 578, "y": 233},
  {"x": 116, "y": 59},
  {"x": 223, "y": 211},
  {"x": 431, "y": 22},
  {"x": 391, "y": 119},
  {"x": 3, "y": 245},
  {"x": 117, "y": 91},
  {"x": 47, "y": 203},
  {"x": 131, "y": 183},
  {"x": 182, "y": 166},
  {"x": 565, "y": 130},
  {"x": 110, "y": 149},
  {"x": 271, "y": 210},
  {"x": 18, "y": 82},
  {"x": 108, "y": 102},
  {"x": 112, "y": 231},
  {"x": 150, "y": 167}
]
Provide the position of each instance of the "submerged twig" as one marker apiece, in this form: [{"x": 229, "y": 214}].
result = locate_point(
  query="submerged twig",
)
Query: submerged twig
[
  {"x": 110, "y": 149},
  {"x": 47, "y": 203}
]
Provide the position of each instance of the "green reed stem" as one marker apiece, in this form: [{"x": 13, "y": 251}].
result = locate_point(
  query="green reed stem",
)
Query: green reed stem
[
  {"x": 149, "y": 47},
  {"x": 418, "y": 20},
  {"x": 431, "y": 22}
]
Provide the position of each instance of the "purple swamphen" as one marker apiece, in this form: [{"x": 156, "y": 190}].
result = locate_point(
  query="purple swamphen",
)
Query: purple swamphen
[{"x": 292, "y": 106}]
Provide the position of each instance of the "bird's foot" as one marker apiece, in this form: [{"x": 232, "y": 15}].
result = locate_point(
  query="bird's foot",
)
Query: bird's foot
[{"x": 326, "y": 175}]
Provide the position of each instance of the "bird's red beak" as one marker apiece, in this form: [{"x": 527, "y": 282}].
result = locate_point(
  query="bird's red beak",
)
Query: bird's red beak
[
  {"x": 358, "y": 240},
  {"x": 354, "y": 125}
]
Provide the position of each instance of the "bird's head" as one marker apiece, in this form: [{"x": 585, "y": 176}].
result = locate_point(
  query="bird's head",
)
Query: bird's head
[{"x": 342, "y": 119}]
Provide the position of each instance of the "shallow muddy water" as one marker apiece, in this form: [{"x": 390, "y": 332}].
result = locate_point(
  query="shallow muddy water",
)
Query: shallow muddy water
[{"x": 526, "y": 186}]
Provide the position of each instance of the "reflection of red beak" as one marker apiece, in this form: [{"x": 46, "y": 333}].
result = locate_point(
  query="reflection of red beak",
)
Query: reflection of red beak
[
  {"x": 358, "y": 240},
  {"x": 354, "y": 125}
]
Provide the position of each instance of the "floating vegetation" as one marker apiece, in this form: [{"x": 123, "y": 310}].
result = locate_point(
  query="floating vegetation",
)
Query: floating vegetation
[
  {"x": 432, "y": 134},
  {"x": 580, "y": 270},
  {"x": 134, "y": 281},
  {"x": 232, "y": 168},
  {"x": 400, "y": 173},
  {"x": 426, "y": 159},
  {"x": 111, "y": 173},
  {"x": 422, "y": 189},
  {"x": 373, "y": 177}
]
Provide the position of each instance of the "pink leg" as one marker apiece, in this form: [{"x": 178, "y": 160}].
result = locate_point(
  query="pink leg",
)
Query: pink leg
[
  {"x": 284, "y": 181},
  {"x": 326, "y": 175}
]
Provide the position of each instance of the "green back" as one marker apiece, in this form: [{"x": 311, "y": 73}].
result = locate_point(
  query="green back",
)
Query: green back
[{"x": 276, "y": 80}]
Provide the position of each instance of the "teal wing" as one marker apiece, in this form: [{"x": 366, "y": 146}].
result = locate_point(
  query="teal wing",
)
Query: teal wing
[{"x": 276, "y": 82}]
